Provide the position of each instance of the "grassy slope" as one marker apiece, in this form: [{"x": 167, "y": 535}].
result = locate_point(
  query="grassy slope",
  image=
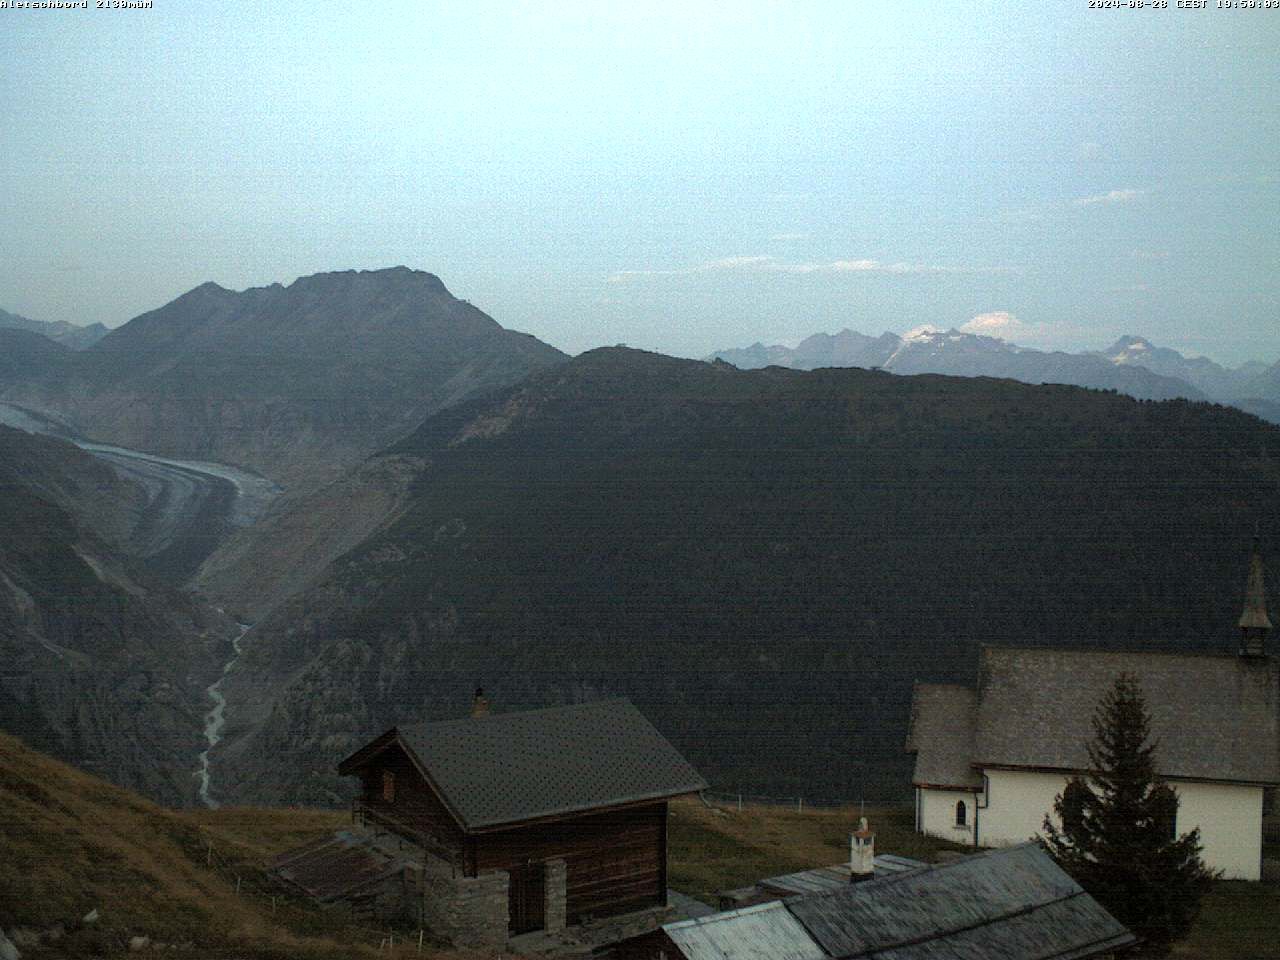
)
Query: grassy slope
[
  {"x": 718, "y": 850},
  {"x": 72, "y": 843}
]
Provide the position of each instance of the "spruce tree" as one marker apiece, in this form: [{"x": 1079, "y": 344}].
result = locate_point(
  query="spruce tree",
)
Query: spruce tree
[{"x": 1117, "y": 836}]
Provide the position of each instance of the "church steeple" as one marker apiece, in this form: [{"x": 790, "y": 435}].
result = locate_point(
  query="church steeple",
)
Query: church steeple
[{"x": 1254, "y": 622}]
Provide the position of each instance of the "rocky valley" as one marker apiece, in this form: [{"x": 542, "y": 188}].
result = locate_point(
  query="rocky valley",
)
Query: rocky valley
[{"x": 397, "y": 500}]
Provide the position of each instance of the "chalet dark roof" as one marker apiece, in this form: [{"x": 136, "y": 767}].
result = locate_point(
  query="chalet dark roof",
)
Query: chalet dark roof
[
  {"x": 941, "y": 735},
  {"x": 1013, "y": 903},
  {"x": 1214, "y": 717},
  {"x": 510, "y": 767}
]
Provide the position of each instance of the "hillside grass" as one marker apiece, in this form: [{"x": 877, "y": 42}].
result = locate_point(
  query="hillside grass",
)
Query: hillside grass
[
  {"x": 72, "y": 843},
  {"x": 713, "y": 850}
]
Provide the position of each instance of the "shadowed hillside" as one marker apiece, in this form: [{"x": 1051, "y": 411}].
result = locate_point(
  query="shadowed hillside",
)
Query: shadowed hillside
[
  {"x": 762, "y": 560},
  {"x": 74, "y": 844},
  {"x": 98, "y": 665}
]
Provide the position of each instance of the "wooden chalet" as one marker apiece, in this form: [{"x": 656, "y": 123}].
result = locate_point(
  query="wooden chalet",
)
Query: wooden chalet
[{"x": 583, "y": 788}]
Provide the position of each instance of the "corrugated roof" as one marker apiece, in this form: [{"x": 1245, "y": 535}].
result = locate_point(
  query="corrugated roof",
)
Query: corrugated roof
[
  {"x": 509, "y": 767},
  {"x": 943, "y": 717},
  {"x": 1214, "y": 717},
  {"x": 763, "y": 932},
  {"x": 835, "y": 877},
  {"x": 1013, "y": 903}
]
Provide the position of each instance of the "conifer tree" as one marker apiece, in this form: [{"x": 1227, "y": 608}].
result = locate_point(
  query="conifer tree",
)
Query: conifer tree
[{"x": 1118, "y": 837}]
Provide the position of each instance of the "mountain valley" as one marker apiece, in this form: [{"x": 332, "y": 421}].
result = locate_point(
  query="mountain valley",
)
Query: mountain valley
[{"x": 399, "y": 500}]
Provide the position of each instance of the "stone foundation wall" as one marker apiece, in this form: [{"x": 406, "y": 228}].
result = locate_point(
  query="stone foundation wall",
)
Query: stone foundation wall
[
  {"x": 467, "y": 911},
  {"x": 554, "y": 909}
]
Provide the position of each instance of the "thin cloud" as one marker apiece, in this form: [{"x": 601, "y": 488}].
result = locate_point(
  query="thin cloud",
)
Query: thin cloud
[
  {"x": 1056, "y": 208},
  {"x": 996, "y": 323},
  {"x": 770, "y": 264},
  {"x": 1127, "y": 195},
  {"x": 789, "y": 236},
  {"x": 711, "y": 266}
]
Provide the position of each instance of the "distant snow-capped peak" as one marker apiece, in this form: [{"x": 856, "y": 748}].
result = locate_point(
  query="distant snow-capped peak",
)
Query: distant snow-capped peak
[{"x": 922, "y": 333}]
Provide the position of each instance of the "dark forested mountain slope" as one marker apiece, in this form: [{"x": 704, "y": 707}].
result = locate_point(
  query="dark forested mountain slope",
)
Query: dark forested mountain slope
[
  {"x": 297, "y": 382},
  {"x": 764, "y": 560},
  {"x": 96, "y": 666}
]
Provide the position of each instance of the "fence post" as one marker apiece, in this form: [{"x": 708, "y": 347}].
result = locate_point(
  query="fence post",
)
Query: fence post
[
  {"x": 799, "y": 804},
  {"x": 739, "y": 803},
  {"x": 419, "y": 939},
  {"x": 237, "y": 884},
  {"x": 208, "y": 859}
]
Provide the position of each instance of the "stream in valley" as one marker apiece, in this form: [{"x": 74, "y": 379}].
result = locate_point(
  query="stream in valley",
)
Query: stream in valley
[
  {"x": 216, "y": 719},
  {"x": 189, "y": 506}
]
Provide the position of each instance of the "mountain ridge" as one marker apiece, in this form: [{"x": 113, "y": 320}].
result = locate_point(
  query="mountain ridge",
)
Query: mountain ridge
[
  {"x": 296, "y": 382},
  {"x": 1132, "y": 365},
  {"x": 70, "y": 335}
]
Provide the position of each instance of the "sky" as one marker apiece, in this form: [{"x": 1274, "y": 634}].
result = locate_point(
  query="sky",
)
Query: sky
[{"x": 678, "y": 176}]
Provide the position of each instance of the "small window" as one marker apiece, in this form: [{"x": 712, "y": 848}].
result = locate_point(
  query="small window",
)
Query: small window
[
  {"x": 962, "y": 814},
  {"x": 388, "y": 786}
]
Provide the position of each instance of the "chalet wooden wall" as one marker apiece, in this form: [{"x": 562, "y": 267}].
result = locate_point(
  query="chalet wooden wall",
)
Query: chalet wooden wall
[
  {"x": 616, "y": 861},
  {"x": 415, "y": 805}
]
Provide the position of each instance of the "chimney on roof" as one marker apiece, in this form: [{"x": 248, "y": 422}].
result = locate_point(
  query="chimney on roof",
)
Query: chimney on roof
[
  {"x": 1254, "y": 622},
  {"x": 479, "y": 705},
  {"x": 862, "y": 853}
]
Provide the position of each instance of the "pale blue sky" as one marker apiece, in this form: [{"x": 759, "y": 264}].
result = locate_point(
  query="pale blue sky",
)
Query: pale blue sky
[{"x": 680, "y": 176}]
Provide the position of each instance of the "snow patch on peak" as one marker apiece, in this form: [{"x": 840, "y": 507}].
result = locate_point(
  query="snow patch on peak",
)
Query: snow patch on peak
[{"x": 925, "y": 331}]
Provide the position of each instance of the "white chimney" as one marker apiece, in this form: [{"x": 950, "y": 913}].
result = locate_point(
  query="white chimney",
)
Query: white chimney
[{"x": 862, "y": 853}]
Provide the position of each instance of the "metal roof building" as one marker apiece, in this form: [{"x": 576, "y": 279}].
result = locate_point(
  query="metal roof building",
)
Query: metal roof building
[
  {"x": 1009, "y": 904},
  {"x": 1013, "y": 903},
  {"x": 766, "y": 931}
]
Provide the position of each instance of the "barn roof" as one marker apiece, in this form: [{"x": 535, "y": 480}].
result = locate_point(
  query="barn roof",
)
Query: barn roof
[
  {"x": 941, "y": 735},
  {"x": 335, "y": 867},
  {"x": 1213, "y": 717},
  {"x": 511, "y": 767},
  {"x": 1012, "y": 903}
]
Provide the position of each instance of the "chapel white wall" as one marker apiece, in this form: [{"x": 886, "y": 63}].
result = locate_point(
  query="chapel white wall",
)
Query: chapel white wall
[
  {"x": 938, "y": 814},
  {"x": 1229, "y": 817}
]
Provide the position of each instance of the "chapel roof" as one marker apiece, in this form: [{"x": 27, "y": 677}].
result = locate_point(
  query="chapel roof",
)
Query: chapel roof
[{"x": 1212, "y": 717}]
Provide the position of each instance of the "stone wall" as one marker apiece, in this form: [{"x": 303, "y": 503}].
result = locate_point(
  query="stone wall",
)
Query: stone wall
[
  {"x": 467, "y": 911},
  {"x": 554, "y": 909}
]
